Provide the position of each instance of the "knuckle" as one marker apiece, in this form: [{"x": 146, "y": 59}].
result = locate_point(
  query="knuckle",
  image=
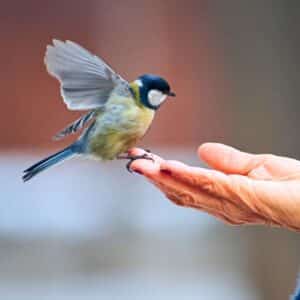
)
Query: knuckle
[
  {"x": 181, "y": 198},
  {"x": 175, "y": 199},
  {"x": 208, "y": 186}
]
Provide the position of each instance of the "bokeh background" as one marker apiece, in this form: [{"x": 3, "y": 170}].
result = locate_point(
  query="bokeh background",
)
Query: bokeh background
[{"x": 92, "y": 231}]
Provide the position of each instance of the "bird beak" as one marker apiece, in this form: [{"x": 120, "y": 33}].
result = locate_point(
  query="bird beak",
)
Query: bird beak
[{"x": 171, "y": 94}]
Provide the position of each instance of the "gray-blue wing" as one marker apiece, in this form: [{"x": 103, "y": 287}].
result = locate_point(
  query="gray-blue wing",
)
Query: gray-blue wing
[
  {"x": 76, "y": 125},
  {"x": 86, "y": 80}
]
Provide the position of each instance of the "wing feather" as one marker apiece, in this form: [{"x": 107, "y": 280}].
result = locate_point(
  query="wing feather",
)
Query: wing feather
[
  {"x": 86, "y": 80},
  {"x": 76, "y": 125}
]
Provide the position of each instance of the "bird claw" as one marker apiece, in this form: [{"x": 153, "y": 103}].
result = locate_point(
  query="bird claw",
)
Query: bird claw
[{"x": 133, "y": 158}]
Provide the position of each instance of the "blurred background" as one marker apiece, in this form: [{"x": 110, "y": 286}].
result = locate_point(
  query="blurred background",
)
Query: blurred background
[{"x": 92, "y": 231}]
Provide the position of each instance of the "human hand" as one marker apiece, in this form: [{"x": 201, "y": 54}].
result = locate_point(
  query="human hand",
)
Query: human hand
[{"x": 241, "y": 188}]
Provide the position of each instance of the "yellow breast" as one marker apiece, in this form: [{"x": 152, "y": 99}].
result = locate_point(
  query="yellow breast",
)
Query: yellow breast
[
  {"x": 119, "y": 128},
  {"x": 144, "y": 119}
]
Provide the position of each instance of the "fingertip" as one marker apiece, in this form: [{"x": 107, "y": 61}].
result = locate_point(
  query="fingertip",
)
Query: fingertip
[
  {"x": 145, "y": 167},
  {"x": 225, "y": 158},
  {"x": 202, "y": 149},
  {"x": 216, "y": 155},
  {"x": 205, "y": 150}
]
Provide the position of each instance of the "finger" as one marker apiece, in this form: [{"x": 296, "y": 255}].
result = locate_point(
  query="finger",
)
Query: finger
[
  {"x": 197, "y": 188},
  {"x": 211, "y": 211},
  {"x": 186, "y": 195},
  {"x": 210, "y": 181},
  {"x": 236, "y": 189},
  {"x": 177, "y": 181},
  {"x": 184, "y": 191},
  {"x": 145, "y": 167},
  {"x": 262, "y": 166},
  {"x": 139, "y": 151},
  {"x": 241, "y": 199},
  {"x": 229, "y": 160},
  {"x": 276, "y": 167}
]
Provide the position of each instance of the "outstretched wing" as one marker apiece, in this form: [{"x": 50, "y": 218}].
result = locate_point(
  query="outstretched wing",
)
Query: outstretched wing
[{"x": 86, "y": 80}]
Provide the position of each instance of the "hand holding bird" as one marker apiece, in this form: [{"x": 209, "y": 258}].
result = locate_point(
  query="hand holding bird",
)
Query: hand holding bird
[{"x": 241, "y": 188}]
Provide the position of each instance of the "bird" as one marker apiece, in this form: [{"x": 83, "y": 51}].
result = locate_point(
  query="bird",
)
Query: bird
[{"x": 118, "y": 114}]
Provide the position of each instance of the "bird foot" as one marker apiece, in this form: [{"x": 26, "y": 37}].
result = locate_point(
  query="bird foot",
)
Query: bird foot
[
  {"x": 133, "y": 158},
  {"x": 136, "y": 157}
]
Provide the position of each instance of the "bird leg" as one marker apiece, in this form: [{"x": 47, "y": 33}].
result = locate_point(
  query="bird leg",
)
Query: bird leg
[{"x": 133, "y": 158}]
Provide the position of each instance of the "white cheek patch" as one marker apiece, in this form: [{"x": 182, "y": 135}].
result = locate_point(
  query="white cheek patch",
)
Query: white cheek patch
[{"x": 156, "y": 97}]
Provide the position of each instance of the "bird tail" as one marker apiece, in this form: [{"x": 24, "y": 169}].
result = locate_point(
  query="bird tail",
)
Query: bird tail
[
  {"x": 296, "y": 295},
  {"x": 48, "y": 162}
]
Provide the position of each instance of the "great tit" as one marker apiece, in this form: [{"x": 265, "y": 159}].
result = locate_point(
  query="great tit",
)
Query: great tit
[{"x": 119, "y": 113}]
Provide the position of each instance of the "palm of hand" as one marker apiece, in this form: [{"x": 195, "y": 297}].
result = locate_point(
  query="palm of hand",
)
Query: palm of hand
[{"x": 241, "y": 188}]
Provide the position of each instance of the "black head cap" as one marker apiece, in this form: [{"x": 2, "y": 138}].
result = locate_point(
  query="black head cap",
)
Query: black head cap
[{"x": 150, "y": 86}]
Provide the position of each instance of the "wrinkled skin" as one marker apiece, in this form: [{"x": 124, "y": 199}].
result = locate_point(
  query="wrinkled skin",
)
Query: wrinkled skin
[{"x": 241, "y": 188}]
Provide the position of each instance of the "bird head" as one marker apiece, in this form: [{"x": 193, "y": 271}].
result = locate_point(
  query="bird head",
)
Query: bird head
[{"x": 153, "y": 90}]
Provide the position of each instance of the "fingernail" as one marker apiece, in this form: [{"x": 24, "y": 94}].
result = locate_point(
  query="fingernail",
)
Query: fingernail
[{"x": 138, "y": 172}]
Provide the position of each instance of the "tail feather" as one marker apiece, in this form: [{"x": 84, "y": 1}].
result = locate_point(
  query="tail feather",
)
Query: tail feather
[
  {"x": 48, "y": 162},
  {"x": 296, "y": 295}
]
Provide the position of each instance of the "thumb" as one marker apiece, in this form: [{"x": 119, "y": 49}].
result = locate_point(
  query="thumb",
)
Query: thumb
[{"x": 227, "y": 159}]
